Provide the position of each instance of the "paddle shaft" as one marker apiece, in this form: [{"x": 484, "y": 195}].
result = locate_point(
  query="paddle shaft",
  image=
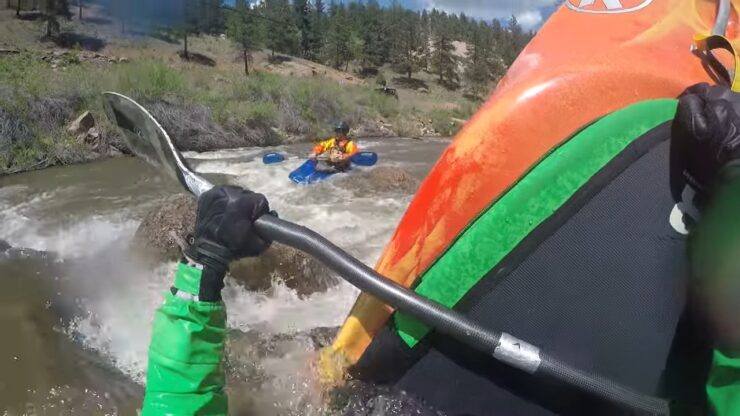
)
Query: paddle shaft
[{"x": 501, "y": 346}]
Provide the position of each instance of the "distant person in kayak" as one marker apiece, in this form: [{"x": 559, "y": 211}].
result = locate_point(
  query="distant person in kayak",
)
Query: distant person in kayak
[
  {"x": 339, "y": 149},
  {"x": 185, "y": 375}
]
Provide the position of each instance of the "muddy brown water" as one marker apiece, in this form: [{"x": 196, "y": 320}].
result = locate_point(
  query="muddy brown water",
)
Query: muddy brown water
[{"x": 76, "y": 323}]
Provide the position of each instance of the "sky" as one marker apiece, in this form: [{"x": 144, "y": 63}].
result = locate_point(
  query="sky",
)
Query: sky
[{"x": 530, "y": 13}]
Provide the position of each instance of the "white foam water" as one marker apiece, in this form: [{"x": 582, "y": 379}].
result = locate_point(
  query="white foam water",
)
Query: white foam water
[{"x": 116, "y": 321}]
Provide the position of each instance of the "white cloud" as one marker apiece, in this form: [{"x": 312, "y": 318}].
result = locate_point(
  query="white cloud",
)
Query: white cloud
[
  {"x": 529, "y": 19},
  {"x": 527, "y": 12}
]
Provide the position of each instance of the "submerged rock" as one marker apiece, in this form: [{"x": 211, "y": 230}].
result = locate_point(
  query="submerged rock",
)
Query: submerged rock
[
  {"x": 380, "y": 179},
  {"x": 295, "y": 269},
  {"x": 164, "y": 231}
]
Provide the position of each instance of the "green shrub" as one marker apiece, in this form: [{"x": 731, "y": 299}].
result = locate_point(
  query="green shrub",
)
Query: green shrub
[
  {"x": 443, "y": 123},
  {"x": 145, "y": 79},
  {"x": 380, "y": 79}
]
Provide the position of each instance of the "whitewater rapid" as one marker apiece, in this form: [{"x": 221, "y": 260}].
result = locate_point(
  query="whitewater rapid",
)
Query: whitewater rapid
[{"x": 76, "y": 213}]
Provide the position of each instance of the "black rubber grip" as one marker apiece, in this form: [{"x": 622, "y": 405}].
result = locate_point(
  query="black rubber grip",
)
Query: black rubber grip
[{"x": 368, "y": 280}]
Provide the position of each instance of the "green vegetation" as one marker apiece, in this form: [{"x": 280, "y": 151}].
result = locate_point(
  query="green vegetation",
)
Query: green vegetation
[
  {"x": 370, "y": 36},
  {"x": 341, "y": 35},
  {"x": 200, "y": 112}
]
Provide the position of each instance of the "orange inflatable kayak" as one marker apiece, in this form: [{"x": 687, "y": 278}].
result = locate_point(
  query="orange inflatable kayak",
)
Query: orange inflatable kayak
[{"x": 584, "y": 106}]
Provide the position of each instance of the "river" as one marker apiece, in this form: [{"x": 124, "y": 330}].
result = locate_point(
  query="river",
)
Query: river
[{"x": 76, "y": 325}]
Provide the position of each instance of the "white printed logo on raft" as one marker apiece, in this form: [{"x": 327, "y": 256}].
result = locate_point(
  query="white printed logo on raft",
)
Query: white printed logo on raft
[{"x": 607, "y": 6}]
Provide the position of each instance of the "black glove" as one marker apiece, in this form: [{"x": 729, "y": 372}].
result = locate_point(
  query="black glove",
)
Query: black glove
[
  {"x": 705, "y": 138},
  {"x": 224, "y": 232}
]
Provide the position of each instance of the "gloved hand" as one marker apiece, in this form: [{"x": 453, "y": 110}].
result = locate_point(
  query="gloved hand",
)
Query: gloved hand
[
  {"x": 224, "y": 232},
  {"x": 705, "y": 138},
  {"x": 336, "y": 156}
]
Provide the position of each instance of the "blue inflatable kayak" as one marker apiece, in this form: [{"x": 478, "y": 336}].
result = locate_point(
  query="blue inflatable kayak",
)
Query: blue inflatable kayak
[{"x": 308, "y": 174}]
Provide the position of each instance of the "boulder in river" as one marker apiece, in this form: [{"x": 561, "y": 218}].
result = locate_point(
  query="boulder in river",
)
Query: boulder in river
[
  {"x": 164, "y": 231},
  {"x": 295, "y": 269},
  {"x": 380, "y": 180}
]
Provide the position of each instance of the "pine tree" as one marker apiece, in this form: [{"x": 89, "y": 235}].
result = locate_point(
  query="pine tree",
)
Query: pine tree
[
  {"x": 319, "y": 7},
  {"x": 190, "y": 24},
  {"x": 425, "y": 35},
  {"x": 444, "y": 62},
  {"x": 318, "y": 24},
  {"x": 243, "y": 28},
  {"x": 338, "y": 48},
  {"x": 481, "y": 65},
  {"x": 211, "y": 18},
  {"x": 50, "y": 16},
  {"x": 515, "y": 41},
  {"x": 408, "y": 49},
  {"x": 373, "y": 49},
  {"x": 52, "y": 9},
  {"x": 281, "y": 35},
  {"x": 302, "y": 11}
]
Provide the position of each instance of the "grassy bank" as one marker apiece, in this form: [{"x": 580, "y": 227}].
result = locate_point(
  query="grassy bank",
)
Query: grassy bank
[{"x": 203, "y": 108}]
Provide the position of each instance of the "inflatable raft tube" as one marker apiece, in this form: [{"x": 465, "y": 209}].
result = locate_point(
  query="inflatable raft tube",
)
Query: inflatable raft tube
[{"x": 549, "y": 217}]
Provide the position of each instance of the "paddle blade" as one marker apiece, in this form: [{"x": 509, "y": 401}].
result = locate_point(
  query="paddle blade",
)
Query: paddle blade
[
  {"x": 146, "y": 138},
  {"x": 272, "y": 158},
  {"x": 365, "y": 159}
]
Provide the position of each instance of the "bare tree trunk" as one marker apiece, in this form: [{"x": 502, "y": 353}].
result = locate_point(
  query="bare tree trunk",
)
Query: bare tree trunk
[
  {"x": 245, "y": 54},
  {"x": 186, "y": 46},
  {"x": 18, "y": 8},
  {"x": 79, "y": 3}
]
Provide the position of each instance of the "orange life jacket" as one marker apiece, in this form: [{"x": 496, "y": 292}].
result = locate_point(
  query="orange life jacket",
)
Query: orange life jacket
[{"x": 347, "y": 146}]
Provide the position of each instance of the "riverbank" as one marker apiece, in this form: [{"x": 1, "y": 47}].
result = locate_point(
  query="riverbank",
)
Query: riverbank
[{"x": 203, "y": 109}]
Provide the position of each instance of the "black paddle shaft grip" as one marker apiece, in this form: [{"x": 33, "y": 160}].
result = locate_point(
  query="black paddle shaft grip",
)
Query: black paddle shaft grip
[
  {"x": 368, "y": 280},
  {"x": 448, "y": 321}
]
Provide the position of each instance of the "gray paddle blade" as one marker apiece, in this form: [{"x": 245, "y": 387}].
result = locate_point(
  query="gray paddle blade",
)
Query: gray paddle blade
[{"x": 146, "y": 138}]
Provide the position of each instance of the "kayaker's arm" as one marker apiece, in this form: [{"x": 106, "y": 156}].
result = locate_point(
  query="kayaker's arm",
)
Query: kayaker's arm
[
  {"x": 705, "y": 179},
  {"x": 351, "y": 149},
  {"x": 321, "y": 148},
  {"x": 185, "y": 374},
  {"x": 715, "y": 259}
]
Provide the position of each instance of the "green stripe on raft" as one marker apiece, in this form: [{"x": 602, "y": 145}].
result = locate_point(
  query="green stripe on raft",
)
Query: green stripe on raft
[{"x": 534, "y": 198}]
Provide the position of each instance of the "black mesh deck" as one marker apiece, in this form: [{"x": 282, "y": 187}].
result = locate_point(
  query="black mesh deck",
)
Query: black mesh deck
[{"x": 600, "y": 285}]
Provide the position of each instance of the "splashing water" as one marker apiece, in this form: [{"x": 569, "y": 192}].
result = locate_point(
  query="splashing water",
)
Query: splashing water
[{"x": 83, "y": 215}]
